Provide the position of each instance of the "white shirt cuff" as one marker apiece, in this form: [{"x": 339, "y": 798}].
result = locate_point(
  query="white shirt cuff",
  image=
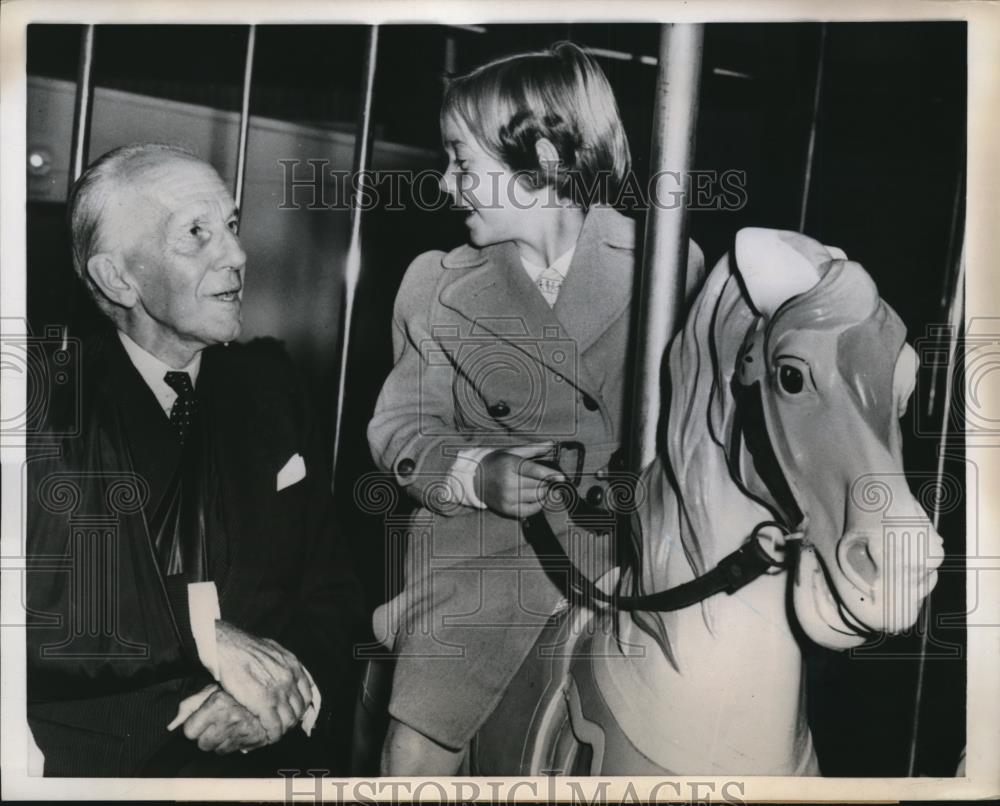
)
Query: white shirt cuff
[
  {"x": 203, "y": 609},
  {"x": 463, "y": 474}
]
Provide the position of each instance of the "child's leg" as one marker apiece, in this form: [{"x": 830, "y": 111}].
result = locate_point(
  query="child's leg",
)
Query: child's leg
[{"x": 408, "y": 753}]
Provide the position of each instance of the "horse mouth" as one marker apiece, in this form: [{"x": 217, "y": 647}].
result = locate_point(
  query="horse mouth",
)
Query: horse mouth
[
  {"x": 883, "y": 608},
  {"x": 832, "y": 611}
]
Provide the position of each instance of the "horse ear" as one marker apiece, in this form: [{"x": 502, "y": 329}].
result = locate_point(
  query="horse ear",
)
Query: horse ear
[{"x": 777, "y": 265}]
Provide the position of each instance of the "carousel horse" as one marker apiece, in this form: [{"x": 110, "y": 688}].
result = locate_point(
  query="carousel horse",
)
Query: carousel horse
[{"x": 786, "y": 385}]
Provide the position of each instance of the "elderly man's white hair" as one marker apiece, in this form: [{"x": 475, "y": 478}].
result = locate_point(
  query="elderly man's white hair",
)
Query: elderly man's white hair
[{"x": 89, "y": 197}]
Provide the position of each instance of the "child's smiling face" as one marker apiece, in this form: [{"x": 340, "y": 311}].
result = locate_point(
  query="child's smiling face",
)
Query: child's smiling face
[{"x": 500, "y": 206}]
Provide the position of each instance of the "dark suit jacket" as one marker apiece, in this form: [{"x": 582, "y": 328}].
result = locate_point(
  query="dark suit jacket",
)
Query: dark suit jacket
[{"x": 110, "y": 653}]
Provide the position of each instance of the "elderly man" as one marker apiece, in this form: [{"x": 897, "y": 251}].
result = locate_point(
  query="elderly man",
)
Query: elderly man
[{"x": 186, "y": 597}]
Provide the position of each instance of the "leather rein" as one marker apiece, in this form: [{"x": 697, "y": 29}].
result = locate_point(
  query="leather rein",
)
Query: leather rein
[{"x": 732, "y": 572}]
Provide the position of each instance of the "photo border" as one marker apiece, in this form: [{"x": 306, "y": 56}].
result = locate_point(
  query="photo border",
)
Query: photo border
[{"x": 982, "y": 300}]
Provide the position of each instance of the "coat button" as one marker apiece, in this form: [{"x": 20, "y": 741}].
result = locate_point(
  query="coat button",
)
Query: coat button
[
  {"x": 499, "y": 409},
  {"x": 405, "y": 467},
  {"x": 595, "y": 496},
  {"x": 589, "y": 403}
]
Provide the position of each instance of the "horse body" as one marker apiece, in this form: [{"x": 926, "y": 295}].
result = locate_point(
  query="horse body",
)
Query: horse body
[
  {"x": 593, "y": 702},
  {"x": 786, "y": 385}
]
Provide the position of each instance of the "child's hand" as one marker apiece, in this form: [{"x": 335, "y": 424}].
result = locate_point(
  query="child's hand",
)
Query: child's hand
[{"x": 511, "y": 483}]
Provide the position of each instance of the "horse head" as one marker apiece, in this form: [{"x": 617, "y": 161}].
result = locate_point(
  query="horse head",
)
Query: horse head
[
  {"x": 804, "y": 372},
  {"x": 821, "y": 377}
]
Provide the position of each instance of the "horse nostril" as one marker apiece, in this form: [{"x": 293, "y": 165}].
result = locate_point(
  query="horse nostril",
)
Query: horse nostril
[{"x": 856, "y": 556}]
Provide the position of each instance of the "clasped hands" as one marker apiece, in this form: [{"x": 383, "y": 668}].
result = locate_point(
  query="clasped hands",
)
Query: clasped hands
[{"x": 263, "y": 691}]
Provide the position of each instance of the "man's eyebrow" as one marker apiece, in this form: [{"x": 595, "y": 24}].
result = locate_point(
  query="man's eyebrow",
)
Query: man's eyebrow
[{"x": 235, "y": 213}]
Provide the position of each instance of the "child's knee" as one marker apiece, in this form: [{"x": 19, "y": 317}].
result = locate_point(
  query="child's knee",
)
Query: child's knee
[{"x": 408, "y": 753}]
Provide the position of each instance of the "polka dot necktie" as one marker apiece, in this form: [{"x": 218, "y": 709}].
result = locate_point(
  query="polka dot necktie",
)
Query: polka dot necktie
[
  {"x": 548, "y": 283},
  {"x": 185, "y": 406}
]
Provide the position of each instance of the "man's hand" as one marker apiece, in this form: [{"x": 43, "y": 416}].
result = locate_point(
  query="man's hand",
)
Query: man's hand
[
  {"x": 263, "y": 677},
  {"x": 510, "y": 483},
  {"x": 220, "y": 724}
]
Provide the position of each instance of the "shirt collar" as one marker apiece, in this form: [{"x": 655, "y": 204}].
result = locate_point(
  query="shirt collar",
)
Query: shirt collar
[
  {"x": 559, "y": 265},
  {"x": 153, "y": 370}
]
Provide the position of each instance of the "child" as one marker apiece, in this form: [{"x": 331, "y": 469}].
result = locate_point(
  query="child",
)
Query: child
[{"x": 503, "y": 348}]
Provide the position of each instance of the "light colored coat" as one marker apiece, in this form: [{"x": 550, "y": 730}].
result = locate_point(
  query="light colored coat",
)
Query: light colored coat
[{"x": 481, "y": 360}]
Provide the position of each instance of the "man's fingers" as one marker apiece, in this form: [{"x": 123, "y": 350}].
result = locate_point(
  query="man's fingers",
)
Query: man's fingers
[
  {"x": 296, "y": 703},
  {"x": 271, "y": 723},
  {"x": 207, "y": 713},
  {"x": 213, "y": 735},
  {"x": 191, "y": 704},
  {"x": 305, "y": 690},
  {"x": 288, "y": 717}
]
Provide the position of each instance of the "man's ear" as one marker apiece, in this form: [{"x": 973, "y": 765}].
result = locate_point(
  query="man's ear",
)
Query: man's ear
[{"x": 108, "y": 274}]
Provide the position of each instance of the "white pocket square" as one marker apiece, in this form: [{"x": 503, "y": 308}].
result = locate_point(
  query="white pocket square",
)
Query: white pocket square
[{"x": 293, "y": 471}]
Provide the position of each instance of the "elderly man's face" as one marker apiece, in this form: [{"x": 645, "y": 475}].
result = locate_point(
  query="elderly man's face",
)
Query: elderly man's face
[{"x": 183, "y": 256}]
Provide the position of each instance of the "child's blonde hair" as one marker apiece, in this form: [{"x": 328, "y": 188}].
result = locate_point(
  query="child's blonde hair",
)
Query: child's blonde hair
[{"x": 560, "y": 94}]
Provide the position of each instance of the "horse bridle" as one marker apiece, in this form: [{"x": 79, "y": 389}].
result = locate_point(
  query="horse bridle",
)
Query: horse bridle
[{"x": 734, "y": 571}]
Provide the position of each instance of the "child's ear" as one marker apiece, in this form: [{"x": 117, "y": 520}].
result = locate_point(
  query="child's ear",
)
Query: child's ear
[{"x": 548, "y": 157}]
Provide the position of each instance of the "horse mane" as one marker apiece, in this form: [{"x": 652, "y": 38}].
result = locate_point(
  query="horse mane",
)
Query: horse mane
[{"x": 690, "y": 479}]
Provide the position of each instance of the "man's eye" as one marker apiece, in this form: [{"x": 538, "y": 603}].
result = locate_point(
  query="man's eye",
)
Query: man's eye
[
  {"x": 233, "y": 225},
  {"x": 195, "y": 231}
]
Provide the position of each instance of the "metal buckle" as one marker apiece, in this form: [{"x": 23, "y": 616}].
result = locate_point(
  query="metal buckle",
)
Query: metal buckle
[
  {"x": 758, "y": 540},
  {"x": 581, "y": 456}
]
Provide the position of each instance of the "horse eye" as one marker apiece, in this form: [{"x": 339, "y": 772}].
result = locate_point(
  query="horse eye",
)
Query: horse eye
[{"x": 790, "y": 379}]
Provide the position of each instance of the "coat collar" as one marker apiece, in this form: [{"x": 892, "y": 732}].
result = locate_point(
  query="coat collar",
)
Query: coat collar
[{"x": 596, "y": 291}]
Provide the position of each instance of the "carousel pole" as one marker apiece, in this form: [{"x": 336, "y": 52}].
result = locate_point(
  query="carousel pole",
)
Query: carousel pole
[
  {"x": 662, "y": 279},
  {"x": 83, "y": 106},
  {"x": 956, "y": 313},
  {"x": 811, "y": 143},
  {"x": 352, "y": 264},
  {"x": 241, "y": 148}
]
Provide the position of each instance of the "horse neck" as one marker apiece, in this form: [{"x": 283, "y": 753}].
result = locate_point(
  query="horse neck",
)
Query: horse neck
[
  {"x": 695, "y": 513},
  {"x": 707, "y": 516}
]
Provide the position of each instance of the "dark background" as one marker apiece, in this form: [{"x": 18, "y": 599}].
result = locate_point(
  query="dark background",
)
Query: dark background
[{"x": 887, "y": 187}]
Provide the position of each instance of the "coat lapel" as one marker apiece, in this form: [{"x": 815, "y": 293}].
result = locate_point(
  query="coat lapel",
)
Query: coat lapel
[
  {"x": 598, "y": 288},
  {"x": 498, "y": 297}
]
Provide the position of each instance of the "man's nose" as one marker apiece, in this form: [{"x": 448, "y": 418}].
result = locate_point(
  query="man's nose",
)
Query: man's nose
[{"x": 234, "y": 256}]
